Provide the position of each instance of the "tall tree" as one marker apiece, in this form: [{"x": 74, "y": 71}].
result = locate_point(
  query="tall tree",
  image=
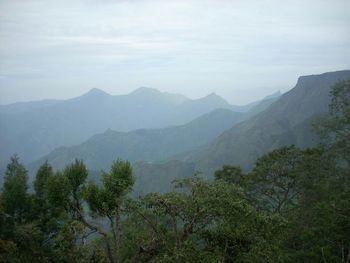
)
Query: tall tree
[
  {"x": 14, "y": 195},
  {"x": 231, "y": 174},
  {"x": 336, "y": 127},
  {"x": 106, "y": 202},
  {"x": 43, "y": 174},
  {"x": 69, "y": 190},
  {"x": 274, "y": 179},
  {"x": 205, "y": 222}
]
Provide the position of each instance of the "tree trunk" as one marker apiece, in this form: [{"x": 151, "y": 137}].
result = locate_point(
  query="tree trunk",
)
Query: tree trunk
[{"x": 117, "y": 234}]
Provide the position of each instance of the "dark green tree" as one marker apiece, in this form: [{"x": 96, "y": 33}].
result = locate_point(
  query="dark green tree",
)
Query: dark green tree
[
  {"x": 320, "y": 226},
  {"x": 208, "y": 222},
  {"x": 43, "y": 174},
  {"x": 70, "y": 191},
  {"x": 106, "y": 202},
  {"x": 274, "y": 181},
  {"x": 15, "y": 199},
  {"x": 336, "y": 127},
  {"x": 231, "y": 174}
]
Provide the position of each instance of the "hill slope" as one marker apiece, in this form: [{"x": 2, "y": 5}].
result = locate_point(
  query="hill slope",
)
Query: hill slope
[
  {"x": 145, "y": 145},
  {"x": 287, "y": 121}
]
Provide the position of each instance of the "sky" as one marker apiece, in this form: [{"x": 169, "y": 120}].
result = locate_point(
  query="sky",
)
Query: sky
[{"x": 241, "y": 50}]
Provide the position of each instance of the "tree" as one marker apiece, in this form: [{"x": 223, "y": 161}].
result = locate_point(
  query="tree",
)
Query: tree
[
  {"x": 43, "y": 212},
  {"x": 336, "y": 127},
  {"x": 205, "y": 222},
  {"x": 20, "y": 228},
  {"x": 14, "y": 196},
  {"x": 230, "y": 174},
  {"x": 320, "y": 226},
  {"x": 65, "y": 195},
  {"x": 43, "y": 174},
  {"x": 46, "y": 217},
  {"x": 69, "y": 191},
  {"x": 106, "y": 201},
  {"x": 274, "y": 179}
]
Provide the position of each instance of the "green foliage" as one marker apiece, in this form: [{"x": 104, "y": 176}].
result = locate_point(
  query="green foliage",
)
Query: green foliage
[
  {"x": 8, "y": 250},
  {"x": 120, "y": 180},
  {"x": 208, "y": 222},
  {"x": 44, "y": 173},
  {"x": 231, "y": 174},
  {"x": 14, "y": 196},
  {"x": 319, "y": 227},
  {"x": 275, "y": 179},
  {"x": 336, "y": 127},
  {"x": 104, "y": 201},
  {"x": 59, "y": 191},
  {"x": 75, "y": 174},
  {"x": 294, "y": 206}
]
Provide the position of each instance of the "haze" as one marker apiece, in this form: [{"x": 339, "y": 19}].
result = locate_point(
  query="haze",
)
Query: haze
[{"x": 242, "y": 50}]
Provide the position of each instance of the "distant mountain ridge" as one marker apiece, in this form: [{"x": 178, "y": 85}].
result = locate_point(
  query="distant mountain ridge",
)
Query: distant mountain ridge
[
  {"x": 152, "y": 144},
  {"x": 145, "y": 145},
  {"x": 35, "y": 128}
]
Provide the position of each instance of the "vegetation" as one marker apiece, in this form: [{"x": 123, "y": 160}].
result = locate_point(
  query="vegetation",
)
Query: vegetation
[{"x": 294, "y": 206}]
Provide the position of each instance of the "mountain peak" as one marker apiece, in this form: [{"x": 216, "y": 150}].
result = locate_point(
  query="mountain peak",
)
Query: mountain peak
[
  {"x": 96, "y": 91},
  {"x": 327, "y": 77},
  {"x": 151, "y": 93},
  {"x": 213, "y": 94},
  {"x": 213, "y": 97},
  {"x": 145, "y": 90},
  {"x": 273, "y": 95}
]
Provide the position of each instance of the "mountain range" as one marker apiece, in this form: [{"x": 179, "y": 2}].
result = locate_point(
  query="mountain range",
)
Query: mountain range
[
  {"x": 201, "y": 135},
  {"x": 34, "y": 129}
]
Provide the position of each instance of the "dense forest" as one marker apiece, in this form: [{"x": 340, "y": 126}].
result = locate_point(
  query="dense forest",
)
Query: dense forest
[{"x": 293, "y": 206}]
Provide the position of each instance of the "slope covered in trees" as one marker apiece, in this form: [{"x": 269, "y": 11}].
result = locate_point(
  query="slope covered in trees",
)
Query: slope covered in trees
[{"x": 146, "y": 145}]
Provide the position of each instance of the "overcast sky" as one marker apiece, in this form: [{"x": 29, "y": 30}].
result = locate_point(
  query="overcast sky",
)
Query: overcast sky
[{"x": 242, "y": 50}]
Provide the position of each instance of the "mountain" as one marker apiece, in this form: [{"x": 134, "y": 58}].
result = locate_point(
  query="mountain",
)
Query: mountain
[
  {"x": 99, "y": 151},
  {"x": 151, "y": 93},
  {"x": 34, "y": 129},
  {"x": 20, "y": 107},
  {"x": 260, "y": 106},
  {"x": 287, "y": 121},
  {"x": 152, "y": 145},
  {"x": 250, "y": 106}
]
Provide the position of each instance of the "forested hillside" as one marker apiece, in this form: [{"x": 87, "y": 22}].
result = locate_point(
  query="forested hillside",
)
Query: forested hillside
[{"x": 145, "y": 145}]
